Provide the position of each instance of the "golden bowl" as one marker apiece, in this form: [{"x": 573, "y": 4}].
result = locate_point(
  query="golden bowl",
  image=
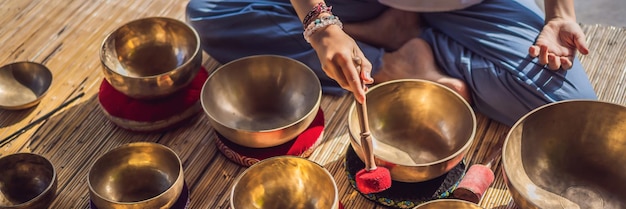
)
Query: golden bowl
[
  {"x": 136, "y": 175},
  {"x": 284, "y": 182},
  {"x": 448, "y": 204},
  {"x": 568, "y": 154},
  {"x": 151, "y": 57},
  {"x": 27, "y": 181},
  {"x": 23, "y": 84},
  {"x": 261, "y": 101},
  {"x": 420, "y": 129}
]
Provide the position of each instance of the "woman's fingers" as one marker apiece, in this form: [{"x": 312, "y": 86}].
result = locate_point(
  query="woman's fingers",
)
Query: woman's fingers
[
  {"x": 543, "y": 54},
  {"x": 352, "y": 77},
  {"x": 554, "y": 62},
  {"x": 566, "y": 63},
  {"x": 533, "y": 51}
]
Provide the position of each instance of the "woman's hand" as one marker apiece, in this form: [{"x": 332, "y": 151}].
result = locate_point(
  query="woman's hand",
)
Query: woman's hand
[
  {"x": 557, "y": 43},
  {"x": 336, "y": 51}
]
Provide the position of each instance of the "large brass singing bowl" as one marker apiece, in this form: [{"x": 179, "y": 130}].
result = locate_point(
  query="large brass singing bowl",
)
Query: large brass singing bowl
[
  {"x": 448, "y": 204},
  {"x": 261, "y": 101},
  {"x": 23, "y": 84},
  {"x": 420, "y": 129},
  {"x": 284, "y": 182},
  {"x": 151, "y": 57},
  {"x": 27, "y": 181},
  {"x": 136, "y": 175},
  {"x": 568, "y": 154}
]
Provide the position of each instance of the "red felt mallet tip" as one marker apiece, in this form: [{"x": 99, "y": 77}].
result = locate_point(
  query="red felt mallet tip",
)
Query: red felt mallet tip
[
  {"x": 474, "y": 184},
  {"x": 373, "y": 181}
]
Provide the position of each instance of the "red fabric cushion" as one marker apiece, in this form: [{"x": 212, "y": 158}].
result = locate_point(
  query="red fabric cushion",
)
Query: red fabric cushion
[
  {"x": 295, "y": 147},
  {"x": 119, "y": 105}
]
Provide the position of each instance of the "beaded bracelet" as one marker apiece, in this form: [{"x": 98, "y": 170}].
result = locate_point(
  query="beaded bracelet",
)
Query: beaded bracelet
[
  {"x": 318, "y": 9},
  {"x": 320, "y": 23}
]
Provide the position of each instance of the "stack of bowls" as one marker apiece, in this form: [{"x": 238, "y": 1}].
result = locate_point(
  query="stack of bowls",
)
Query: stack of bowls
[
  {"x": 568, "y": 154},
  {"x": 420, "y": 129},
  {"x": 261, "y": 101},
  {"x": 136, "y": 175}
]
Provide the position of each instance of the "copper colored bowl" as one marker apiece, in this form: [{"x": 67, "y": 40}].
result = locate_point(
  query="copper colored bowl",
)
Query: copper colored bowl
[
  {"x": 284, "y": 182},
  {"x": 569, "y": 154},
  {"x": 261, "y": 101},
  {"x": 23, "y": 84},
  {"x": 151, "y": 57},
  {"x": 448, "y": 204},
  {"x": 27, "y": 181},
  {"x": 136, "y": 175},
  {"x": 420, "y": 129}
]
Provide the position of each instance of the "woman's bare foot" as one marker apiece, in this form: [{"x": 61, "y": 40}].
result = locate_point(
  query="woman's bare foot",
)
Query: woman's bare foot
[
  {"x": 390, "y": 30},
  {"x": 415, "y": 60}
]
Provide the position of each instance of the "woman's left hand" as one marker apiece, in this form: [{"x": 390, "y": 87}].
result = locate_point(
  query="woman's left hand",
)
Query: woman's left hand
[{"x": 558, "y": 42}]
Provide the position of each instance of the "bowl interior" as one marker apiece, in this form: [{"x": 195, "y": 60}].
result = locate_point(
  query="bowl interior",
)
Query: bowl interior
[
  {"x": 24, "y": 177},
  {"x": 448, "y": 203},
  {"x": 415, "y": 122},
  {"x": 284, "y": 182},
  {"x": 134, "y": 173},
  {"x": 569, "y": 153},
  {"x": 261, "y": 93},
  {"x": 22, "y": 83},
  {"x": 149, "y": 47}
]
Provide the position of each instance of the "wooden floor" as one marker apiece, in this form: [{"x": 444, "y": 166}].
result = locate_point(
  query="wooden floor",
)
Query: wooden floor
[{"x": 65, "y": 35}]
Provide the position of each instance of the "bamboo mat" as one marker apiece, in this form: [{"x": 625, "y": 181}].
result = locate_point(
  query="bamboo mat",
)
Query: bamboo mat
[{"x": 65, "y": 35}]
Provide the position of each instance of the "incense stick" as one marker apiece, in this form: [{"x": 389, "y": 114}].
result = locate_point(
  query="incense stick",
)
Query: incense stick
[{"x": 44, "y": 117}]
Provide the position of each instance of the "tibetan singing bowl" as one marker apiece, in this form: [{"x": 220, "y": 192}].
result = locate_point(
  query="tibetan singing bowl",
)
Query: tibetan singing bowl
[
  {"x": 27, "y": 181},
  {"x": 23, "y": 84},
  {"x": 448, "y": 204},
  {"x": 261, "y": 101},
  {"x": 136, "y": 175},
  {"x": 420, "y": 129},
  {"x": 151, "y": 57},
  {"x": 284, "y": 182},
  {"x": 568, "y": 154}
]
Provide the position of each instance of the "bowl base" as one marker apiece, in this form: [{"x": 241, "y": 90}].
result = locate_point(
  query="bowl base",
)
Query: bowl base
[
  {"x": 181, "y": 203},
  {"x": 406, "y": 195},
  {"x": 155, "y": 114},
  {"x": 302, "y": 146}
]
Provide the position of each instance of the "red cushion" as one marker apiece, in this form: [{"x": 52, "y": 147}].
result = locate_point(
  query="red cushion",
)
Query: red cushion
[
  {"x": 299, "y": 146},
  {"x": 119, "y": 105}
]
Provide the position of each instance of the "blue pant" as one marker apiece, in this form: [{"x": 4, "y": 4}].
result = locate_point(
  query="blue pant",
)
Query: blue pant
[{"x": 485, "y": 45}]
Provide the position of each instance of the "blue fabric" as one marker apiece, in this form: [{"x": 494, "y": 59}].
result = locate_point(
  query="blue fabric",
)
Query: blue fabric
[{"x": 485, "y": 45}]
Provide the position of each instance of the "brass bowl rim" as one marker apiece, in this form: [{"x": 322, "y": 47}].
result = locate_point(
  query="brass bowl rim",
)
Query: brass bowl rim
[
  {"x": 45, "y": 191},
  {"x": 134, "y": 144},
  {"x": 196, "y": 52},
  {"x": 464, "y": 148},
  {"x": 313, "y": 110},
  {"x": 47, "y": 71},
  {"x": 506, "y": 168},
  {"x": 446, "y": 200},
  {"x": 328, "y": 174}
]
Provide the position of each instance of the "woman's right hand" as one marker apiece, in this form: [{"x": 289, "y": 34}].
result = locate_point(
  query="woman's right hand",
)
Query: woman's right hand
[{"x": 336, "y": 51}]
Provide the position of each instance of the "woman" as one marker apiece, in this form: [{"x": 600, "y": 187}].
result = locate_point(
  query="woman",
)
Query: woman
[{"x": 502, "y": 55}]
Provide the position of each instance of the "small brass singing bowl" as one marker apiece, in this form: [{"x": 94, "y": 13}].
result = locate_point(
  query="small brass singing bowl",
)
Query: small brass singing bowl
[
  {"x": 420, "y": 129},
  {"x": 23, "y": 84},
  {"x": 27, "y": 181},
  {"x": 568, "y": 154},
  {"x": 261, "y": 101},
  {"x": 284, "y": 182},
  {"x": 151, "y": 57},
  {"x": 136, "y": 175},
  {"x": 448, "y": 203}
]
